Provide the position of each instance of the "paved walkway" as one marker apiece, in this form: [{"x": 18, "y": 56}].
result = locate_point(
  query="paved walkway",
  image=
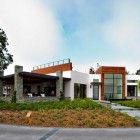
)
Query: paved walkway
[
  {"x": 133, "y": 112},
  {"x": 11, "y": 132}
]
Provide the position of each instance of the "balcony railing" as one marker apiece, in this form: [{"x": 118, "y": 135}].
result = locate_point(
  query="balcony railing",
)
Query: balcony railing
[{"x": 55, "y": 63}]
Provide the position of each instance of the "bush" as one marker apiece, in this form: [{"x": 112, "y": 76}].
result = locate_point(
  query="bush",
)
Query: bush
[
  {"x": 77, "y": 104},
  {"x": 62, "y": 96},
  {"x": 13, "y": 99}
]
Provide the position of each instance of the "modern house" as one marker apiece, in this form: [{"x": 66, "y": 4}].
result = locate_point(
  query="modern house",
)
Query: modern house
[{"x": 46, "y": 83}]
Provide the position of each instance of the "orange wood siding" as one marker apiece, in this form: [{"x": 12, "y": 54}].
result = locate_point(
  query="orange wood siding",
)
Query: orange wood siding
[
  {"x": 111, "y": 70},
  {"x": 53, "y": 69}
]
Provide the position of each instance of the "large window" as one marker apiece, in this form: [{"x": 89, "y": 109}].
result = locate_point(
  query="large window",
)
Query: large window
[
  {"x": 113, "y": 86},
  {"x": 79, "y": 90},
  {"x": 132, "y": 90}
]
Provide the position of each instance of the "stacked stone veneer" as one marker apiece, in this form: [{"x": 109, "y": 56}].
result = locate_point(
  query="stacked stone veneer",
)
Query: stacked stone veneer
[
  {"x": 1, "y": 84},
  {"x": 18, "y": 87},
  {"x": 18, "y": 83},
  {"x": 40, "y": 99},
  {"x": 59, "y": 83},
  {"x": 7, "y": 99}
]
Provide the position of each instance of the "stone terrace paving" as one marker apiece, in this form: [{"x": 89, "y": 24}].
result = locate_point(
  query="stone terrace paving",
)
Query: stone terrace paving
[{"x": 133, "y": 112}]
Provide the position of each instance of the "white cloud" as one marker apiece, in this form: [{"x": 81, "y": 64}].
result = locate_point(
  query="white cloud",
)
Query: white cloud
[
  {"x": 34, "y": 34},
  {"x": 130, "y": 66},
  {"x": 122, "y": 30}
]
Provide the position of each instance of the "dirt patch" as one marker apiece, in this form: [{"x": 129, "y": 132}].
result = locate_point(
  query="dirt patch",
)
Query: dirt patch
[{"x": 97, "y": 118}]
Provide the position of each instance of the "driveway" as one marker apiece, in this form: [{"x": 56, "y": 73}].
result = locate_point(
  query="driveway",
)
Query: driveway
[{"x": 11, "y": 132}]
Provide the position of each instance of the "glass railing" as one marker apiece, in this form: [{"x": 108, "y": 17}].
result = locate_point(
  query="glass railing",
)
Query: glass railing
[{"x": 59, "y": 62}]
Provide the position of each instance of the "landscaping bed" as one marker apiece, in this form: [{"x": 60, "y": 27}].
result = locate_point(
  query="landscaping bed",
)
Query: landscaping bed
[{"x": 76, "y": 114}]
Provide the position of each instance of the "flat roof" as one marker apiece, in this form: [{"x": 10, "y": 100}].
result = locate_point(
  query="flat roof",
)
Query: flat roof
[
  {"x": 36, "y": 75},
  {"x": 31, "y": 78}
]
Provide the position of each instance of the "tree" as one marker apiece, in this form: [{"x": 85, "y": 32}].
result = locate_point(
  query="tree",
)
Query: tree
[
  {"x": 138, "y": 72},
  {"x": 127, "y": 72},
  {"x": 5, "y": 57}
]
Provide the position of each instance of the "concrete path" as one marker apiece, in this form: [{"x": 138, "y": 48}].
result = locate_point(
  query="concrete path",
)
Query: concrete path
[
  {"x": 133, "y": 112},
  {"x": 11, "y": 132}
]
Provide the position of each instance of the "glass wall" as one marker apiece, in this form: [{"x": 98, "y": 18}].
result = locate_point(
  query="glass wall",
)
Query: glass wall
[{"x": 113, "y": 86}]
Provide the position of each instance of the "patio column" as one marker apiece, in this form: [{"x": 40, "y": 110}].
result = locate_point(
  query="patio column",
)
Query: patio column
[
  {"x": 59, "y": 83},
  {"x": 18, "y": 83},
  {"x": 1, "y": 83}
]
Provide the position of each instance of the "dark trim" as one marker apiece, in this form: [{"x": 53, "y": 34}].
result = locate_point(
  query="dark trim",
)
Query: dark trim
[
  {"x": 41, "y": 76},
  {"x": 7, "y": 76},
  {"x": 66, "y": 79},
  {"x": 29, "y": 77},
  {"x": 95, "y": 83},
  {"x": 36, "y": 75}
]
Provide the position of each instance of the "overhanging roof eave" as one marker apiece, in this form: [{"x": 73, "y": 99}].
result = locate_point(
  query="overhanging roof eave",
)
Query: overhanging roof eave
[
  {"x": 36, "y": 75},
  {"x": 95, "y": 83}
]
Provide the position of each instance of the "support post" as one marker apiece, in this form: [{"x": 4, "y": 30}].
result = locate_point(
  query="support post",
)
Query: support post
[
  {"x": 1, "y": 83},
  {"x": 18, "y": 82},
  {"x": 59, "y": 83}
]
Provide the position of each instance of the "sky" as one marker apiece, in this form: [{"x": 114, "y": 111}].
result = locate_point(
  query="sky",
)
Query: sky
[{"x": 86, "y": 31}]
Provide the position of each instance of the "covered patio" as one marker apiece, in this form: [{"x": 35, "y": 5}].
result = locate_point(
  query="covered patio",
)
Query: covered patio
[{"x": 32, "y": 87}]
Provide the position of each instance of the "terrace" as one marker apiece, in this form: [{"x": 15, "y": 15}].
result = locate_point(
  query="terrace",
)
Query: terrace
[{"x": 31, "y": 87}]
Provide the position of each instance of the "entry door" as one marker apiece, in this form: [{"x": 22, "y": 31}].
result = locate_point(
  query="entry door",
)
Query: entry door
[{"x": 95, "y": 92}]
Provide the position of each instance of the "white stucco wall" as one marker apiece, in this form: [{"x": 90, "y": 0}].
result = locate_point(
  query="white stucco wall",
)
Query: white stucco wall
[
  {"x": 133, "y": 77},
  {"x": 81, "y": 78},
  {"x": 91, "y": 77}
]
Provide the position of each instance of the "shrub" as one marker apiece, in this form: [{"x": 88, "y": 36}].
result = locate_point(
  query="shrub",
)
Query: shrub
[
  {"x": 77, "y": 104},
  {"x": 110, "y": 123},
  {"x": 62, "y": 96},
  {"x": 13, "y": 99}
]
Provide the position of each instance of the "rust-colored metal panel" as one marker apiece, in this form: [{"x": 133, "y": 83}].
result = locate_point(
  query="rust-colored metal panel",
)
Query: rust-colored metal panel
[{"x": 53, "y": 69}]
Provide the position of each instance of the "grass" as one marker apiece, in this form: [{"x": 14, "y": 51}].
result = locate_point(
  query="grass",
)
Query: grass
[
  {"x": 135, "y": 104},
  {"x": 77, "y": 114}
]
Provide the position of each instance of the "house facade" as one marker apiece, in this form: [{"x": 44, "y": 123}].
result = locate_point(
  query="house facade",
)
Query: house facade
[{"x": 47, "y": 82}]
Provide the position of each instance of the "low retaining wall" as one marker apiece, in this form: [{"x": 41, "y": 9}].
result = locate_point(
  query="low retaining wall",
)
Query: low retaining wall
[
  {"x": 40, "y": 99},
  {"x": 7, "y": 99},
  {"x": 133, "y": 98},
  {"x": 34, "y": 99}
]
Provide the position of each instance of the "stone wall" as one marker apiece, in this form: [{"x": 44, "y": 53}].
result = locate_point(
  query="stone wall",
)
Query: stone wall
[
  {"x": 40, "y": 99},
  {"x": 1, "y": 83},
  {"x": 59, "y": 83},
  {"x": 18, "y": 84},
  {"x": 6, "y": 99}
]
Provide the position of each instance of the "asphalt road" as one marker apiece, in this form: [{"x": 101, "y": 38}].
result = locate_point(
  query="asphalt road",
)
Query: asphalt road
[{"x": 12, "y": 132}]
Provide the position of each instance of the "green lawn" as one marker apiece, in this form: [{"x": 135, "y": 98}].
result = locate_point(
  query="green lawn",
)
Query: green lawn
[{"x": 135, "y": 104}]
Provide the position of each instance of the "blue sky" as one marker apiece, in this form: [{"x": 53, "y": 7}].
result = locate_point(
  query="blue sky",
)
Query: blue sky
[{"x": 86, "y": 31}]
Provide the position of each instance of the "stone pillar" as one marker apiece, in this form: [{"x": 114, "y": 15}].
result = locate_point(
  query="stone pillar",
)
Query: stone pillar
[
  {"x": 18, "y": 84},
  {"x": 59, "y": 83},
  {"x": 1, "y": 83}
]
